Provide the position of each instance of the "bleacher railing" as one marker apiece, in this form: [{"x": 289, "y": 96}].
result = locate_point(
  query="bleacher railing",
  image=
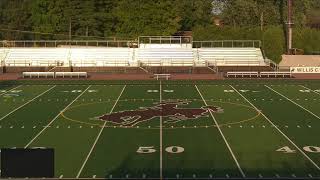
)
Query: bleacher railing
[
  {"x": 66, "y": 43},
  {"x": 134, "y": 43},
  {"x": 227, "y": 44},
  {"x": 165, "y": 40}
]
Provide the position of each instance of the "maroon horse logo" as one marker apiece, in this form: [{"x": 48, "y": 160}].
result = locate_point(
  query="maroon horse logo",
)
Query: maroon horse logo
[{"x": 168, "y": 109}]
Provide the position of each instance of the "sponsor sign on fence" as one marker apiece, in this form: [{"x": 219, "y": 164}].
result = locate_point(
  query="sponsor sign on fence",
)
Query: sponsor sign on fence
[{"x": 304, "y": 70}]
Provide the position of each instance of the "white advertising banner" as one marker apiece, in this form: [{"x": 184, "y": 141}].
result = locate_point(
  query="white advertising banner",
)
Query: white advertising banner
[{"x": 305, "y": 70}]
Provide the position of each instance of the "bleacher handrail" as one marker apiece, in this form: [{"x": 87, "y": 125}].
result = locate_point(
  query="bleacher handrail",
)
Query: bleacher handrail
[
  {"x": 224, "y": 43},
  {"x": 57, "y": 43}
]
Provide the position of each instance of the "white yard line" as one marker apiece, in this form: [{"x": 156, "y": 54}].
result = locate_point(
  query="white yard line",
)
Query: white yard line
[
  {"x": 224, "y": 138},
  {"x": 55, "y": 118},
  {"x": 10, "y": 90},
  {"x": 161, "y": 153},
  {"x": 297, "y": 147},
  {"x": 293, "y": 102},
  {"x": 25, "y": 103},
  {"x": 310, "y": 89},
  {"x": 97, "y": 138}
]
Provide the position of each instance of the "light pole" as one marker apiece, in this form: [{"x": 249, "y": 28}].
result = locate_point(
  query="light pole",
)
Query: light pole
[{"x": 289, "y": 25}]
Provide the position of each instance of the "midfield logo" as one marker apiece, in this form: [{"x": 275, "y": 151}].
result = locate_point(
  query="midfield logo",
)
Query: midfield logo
[{"x": 168, "y": 109}]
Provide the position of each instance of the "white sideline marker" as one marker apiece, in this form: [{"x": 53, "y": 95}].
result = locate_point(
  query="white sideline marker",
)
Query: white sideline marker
[
  {"x": 293, "y": 102},
  {"x": 56, "y": 117},
  {"x": 95, "y": 142},
  {"x": 301, "y": 151},
  {"x": 225, "y": 140},
  {"x": 25, "y": 103}
]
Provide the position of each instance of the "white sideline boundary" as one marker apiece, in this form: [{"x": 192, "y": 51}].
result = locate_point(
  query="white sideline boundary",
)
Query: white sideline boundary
[
  {"x": 297, "y": 147},
  {"x": 56, "y": 117},
  {"x": 161, "y": 153},
  {"x": 26, "y": 103},
  {"x": 10, "y": 90},
  {"x": 97, "y": 138},
  {"x": 309, "y": 89},
  {"x": 293, "y": 102},
  {"x": 225, "y": 140}
]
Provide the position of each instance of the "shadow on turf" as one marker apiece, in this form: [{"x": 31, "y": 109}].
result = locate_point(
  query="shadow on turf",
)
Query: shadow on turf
[{"x": 129, "y": 169}]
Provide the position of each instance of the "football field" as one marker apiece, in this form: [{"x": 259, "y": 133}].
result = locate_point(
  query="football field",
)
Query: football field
[{"x": 168, "y": 129}]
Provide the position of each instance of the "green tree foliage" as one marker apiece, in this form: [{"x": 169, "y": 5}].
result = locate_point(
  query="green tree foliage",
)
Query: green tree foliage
[
  {"x": 148, "y": 17},
  {"x": 14, "y": 14},
  {"x": 194, "y": 13}
]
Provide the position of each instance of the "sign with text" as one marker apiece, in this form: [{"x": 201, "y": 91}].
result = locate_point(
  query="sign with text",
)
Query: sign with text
[{"x": 305, "y": 70}]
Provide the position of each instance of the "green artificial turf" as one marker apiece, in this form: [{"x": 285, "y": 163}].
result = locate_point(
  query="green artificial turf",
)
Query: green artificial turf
[{"x": 267, "y": 129}]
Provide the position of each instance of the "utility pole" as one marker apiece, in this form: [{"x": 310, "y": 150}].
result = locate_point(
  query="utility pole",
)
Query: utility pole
[
  {"x": 289, "y": 25},
  {"x": 87, "y": 34},
  {"x": 70, "y": 29}
]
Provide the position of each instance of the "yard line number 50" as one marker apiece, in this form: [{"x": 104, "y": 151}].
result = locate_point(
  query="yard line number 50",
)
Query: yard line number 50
[
  {"x": 151, "y": 149},
  {"x": 310, "y": 149}
]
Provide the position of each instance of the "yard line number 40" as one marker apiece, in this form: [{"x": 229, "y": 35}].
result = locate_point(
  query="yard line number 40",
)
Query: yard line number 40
[
  {"x": 151, "y": 149},
  {"x": 310, "y": 149}
]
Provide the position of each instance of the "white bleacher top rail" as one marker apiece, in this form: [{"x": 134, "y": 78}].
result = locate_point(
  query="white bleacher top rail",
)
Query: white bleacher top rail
[
  {"x": 225, "y": 43},
  {"x": 56, "y": 43}
]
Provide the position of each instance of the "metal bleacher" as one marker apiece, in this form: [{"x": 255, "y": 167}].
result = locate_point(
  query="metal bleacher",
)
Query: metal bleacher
[
  {"x": 35, "y": 56},
  {"x": 232, "y": 56},
  {"x": 153, "y": 51},
  {"x": 166, "y": 56},
  {"x": 97, "y": 57}
]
